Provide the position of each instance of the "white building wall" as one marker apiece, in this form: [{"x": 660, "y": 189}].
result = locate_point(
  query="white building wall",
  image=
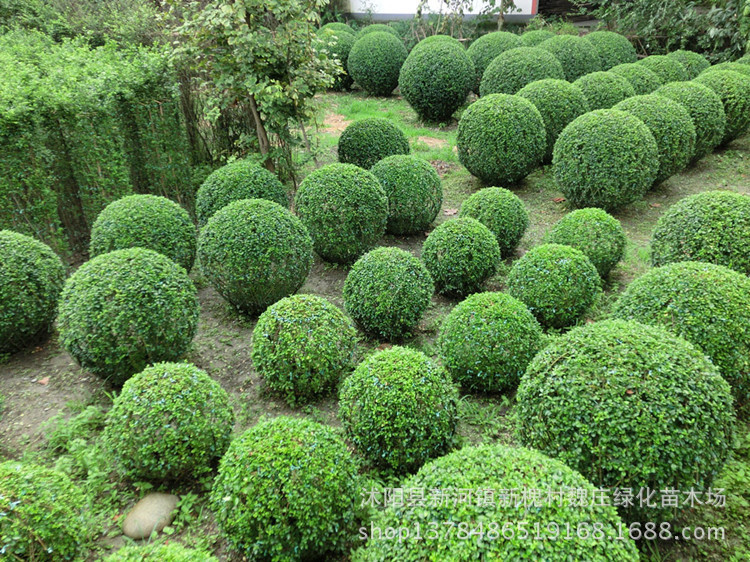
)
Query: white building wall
[{"x": 401, "y": 9}]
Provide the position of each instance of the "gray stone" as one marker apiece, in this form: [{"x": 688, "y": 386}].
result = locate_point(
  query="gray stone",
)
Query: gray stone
[{"x": 152, "y": 513}]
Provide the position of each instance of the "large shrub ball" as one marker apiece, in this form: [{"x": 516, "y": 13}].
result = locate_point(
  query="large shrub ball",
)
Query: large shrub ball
[
  {"x": 338, "y": 44},
  {"x": 612, "y": 47},
  {"x": 484, "y": 50},
  {"x": 461, "y": 254},
  {"x": 145, "y": 221},
  {"x": 501, "y": 139},
  {"x": 666, "y": 68},
  {"x": 242, "y": 179},
  {"x": 713, "y": 226},
  {"x": 501, "y": 522},
  {"x": 287, "y": 489},
  {"x": 672, "y": 128},
  {"x": 628, "y": 405},
  {"x": 534, "y": 37},
  {"x": 501, "y": 211},
  {"x": 387, "y": 292},
  {"x": 487, "y": 341},
  {"x": 366, "y": 142},
  {"x": 345, "y": 210},
  {"x": 707, "y": 304},
  {"x": 375, "y": 61},
  {"x": 376, "y": 28},
  {"x": 170, "y": 422},
  {"x": 164, "y": 552},
  {"x": 558, "y": 102},
  {"x": 513, "y": 69},
  {"x": 577, "y": 55},
  {"x": 604, "y": 89},
  {"x": 694, "y": 63},
  {"x": 733, "y": 89},
  {"x": 127, "y": 309},
  {"x": 41, "y": 514},
  {"x": 399, "y": 409},
  {"x": 255, "y": 252},
  {"x": 31, "y": 278},
  {"x": 643, "y": 80},
  {"x": 414, "y": 192},
  {"x": 605, "y": 158},
  {"x": 705, "y": 109}
]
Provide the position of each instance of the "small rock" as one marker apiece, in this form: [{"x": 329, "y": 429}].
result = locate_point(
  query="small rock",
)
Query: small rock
[{"x": 152, "y": 513}]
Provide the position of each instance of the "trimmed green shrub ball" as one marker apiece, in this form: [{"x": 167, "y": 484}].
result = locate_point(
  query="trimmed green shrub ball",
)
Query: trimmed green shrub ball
[
  {"x": 241, "y": 179},
  {"x": 733, "y": 89},
  {"x": 487, "y": 341},
  {"x": 414, "y": 192},
  {"x": 576, "y": 55},
  {"x": 515, "y": 68},
  {"x": 558, "y": 102},
  {"x": 484, "y": 50},
  {"x": 375, "y": 61},
  {"x": 604, "y": 89},
  {"x": 399, "y": 409},
  {"x": 435, "y": 80},
  {"x": 127, "y": 309},
  {"x": 502, "y": 212},
  {"x": 501, "y": 139},
  {"x": 713, "y": 226},
  {"x": 338, "y": 44},
  {"x": 255, "y": 252},
  {"x": 707, "y": 304},
  {"x": 42, "y": 514},
  {"x": 605, "y": 158},
  {"x": 170, "y": 422},
  {"x": 145, "y": 221},
  {"x": 666, "y": 68},
  {"x": 377, "y": 28},
  {"x": 461, "y": 254},
  {"x": 345, "y": 210},
  {"x": 628, "y": 405},
  {"x": 163, "y": 552},
  {"x": 387, "y": 292},
  {"x": 534, "y": 37},
  {"x": 502, "y": 523},
  {"x": 337, "y": 26},
  {"x": 672, "y": 127},
  {"x": 31, "y": 278},
  {"x": 735, "y": 66},
  {"x": 366, "y": 142},
  {"x": 643, "y": 80},
  {"x": 433, "y": 40},
  {"x": 287, "y": 489},
  {"x": 594, "y": 232},
  {"x": 558, "y": 283},
  {"x": 302, "y": 346},
  {"x": 612, "y": 47},
  {"x": 694, "y": 63}
]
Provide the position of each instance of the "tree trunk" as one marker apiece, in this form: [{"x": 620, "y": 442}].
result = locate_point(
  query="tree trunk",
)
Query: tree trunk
[{"x": 260, "y": 129}]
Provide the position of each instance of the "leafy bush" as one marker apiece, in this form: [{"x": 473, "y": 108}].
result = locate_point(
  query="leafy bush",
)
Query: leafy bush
[
  {"x": 461, "y": 254},
  {"x": 302, "y": 346},
  {"x": 666, "y": 68},
  {"x": 612, "y": 47},
  {"x": 501, "y": 138},
  {"x": 367, "y": 141},
  {"x": 375, "y": 61},
  {"x": 734, "y": 90},
  {"x": 576, "y": 55},
  {"x": 604, "y": 89},
  {"x": 376, "y": 28},
  {"x": 605, "y": 158},
  {"x": 255, "y": 252},
  {"x": 164, "y": 552},
  {"x": 534, "y": 37},
  {"x": 345, "y": 210},
  {"x": 171, "y": 422},
  {"x": 287, "y": 489},
  {"x": 403, "y": 381},
  {"x": 502, "y": 212},
  {"x": 594, "y": 232},
  {"x": 694, "y": 63},
  {"x": 515, "y": 68},
  {"x": 643, "y": 80},
  {"x": 558, "y": 283},
  {"x": 713, "y": 226},
  {"x": 127, "y": 309},
  {"x": 31, "y": 278},
  {"x": 414, "y": 192},
  {"x": 339, "y": 44},
  {"x": 484, "y": 50},
  {"x": 629, "y": 406}
]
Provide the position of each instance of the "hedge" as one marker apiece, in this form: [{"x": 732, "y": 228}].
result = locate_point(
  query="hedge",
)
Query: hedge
[
  {"x": 612, "y": 47},
  {"x": 604, "y": 89},
  {"x": 515, "y": 68},
  {"x": 668, "y": 69},
  {"x": 643, "y": 80},
  {"x": 484, "y": 50},
  {"x": 694, "y": 63},
  {"x": 734, "y": 90},
  {"x": 576, "y": 54}
]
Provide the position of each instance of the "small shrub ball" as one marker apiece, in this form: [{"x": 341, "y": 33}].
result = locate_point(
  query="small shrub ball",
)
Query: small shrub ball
[
  {"x": 241, "y": 179},
  {"x": 666, "y": 68},
  {"x": 338, "y": 44},
  {"x": 501, "y": 139},
  {"x": 338, "y": 27},
  {"x": 414, "y": 193},
  {"x": 694, "y": 63},
  {"x": 31, "y": 278},
  {"x": 433, "y": 40},
  {"x": 733, "y": 89},
  {"x": 170, "y": 422},
  {"x": 345, "y": 210},
  {"x": 713, "y": 227},
  {"x": 612, "y": 47},
  {"x": 628, "y": 405},
  {"x": 605, "y": 158},
  {"x": 375, "y": 61},
  {"x": 604, "y": 89},
  {"x": 376, "y": 28},
  {"x": 594, "y": 232},
  {"x": 287, "y": 489},
  {"x": 124, "y": 310},
  {"x": 302, "y": 346},
  {"x": 501, "y": 211},
  {"x": 534, "y": 37},
  {"x": 484, "y": 50},
  {"x": 643, "y": 80},
  {"x": 366, "y": 142},
  {"x": 164, "y": 552},
  {"x": 399, "y": 409},
  {"x": 576, "y": 55},
  {"x": 255, "y": 252},
  {"x": 487, "y": 341},
  {"x": 461, "y": 254},
  {"x": 734, "y": 66},
  {"x": 515, "y": 68}
]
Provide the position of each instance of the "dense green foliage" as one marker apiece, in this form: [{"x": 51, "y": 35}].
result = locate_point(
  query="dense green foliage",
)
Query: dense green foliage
[
  {"x": 666, "y": 68},
  {"x": 535, "y": 36},
  {"x": 604, "y": 89},
  {"x": 612, "y": 47},
  {"x": 164, "y": 552},
  {"x": 433, "y": 40},
  {"x": 515, "y": 68},
  {"x": 501, "y": 211},
  {"x": 337, "y": 26},
  {"x": 367, "y": 141},
  {"x": 376, "y": 28},
  {"x": 643, "y": 80},
  {"x": 375, "y": 61},
  {"x": 484, "y": 50},
  {"x": 338, "y": 44},
  {"x": 736, "y": 67},
  {"x": 694, "y": 63},
  {"x": 734, "y": 90},
  {"x": 576, "y": 54}
]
